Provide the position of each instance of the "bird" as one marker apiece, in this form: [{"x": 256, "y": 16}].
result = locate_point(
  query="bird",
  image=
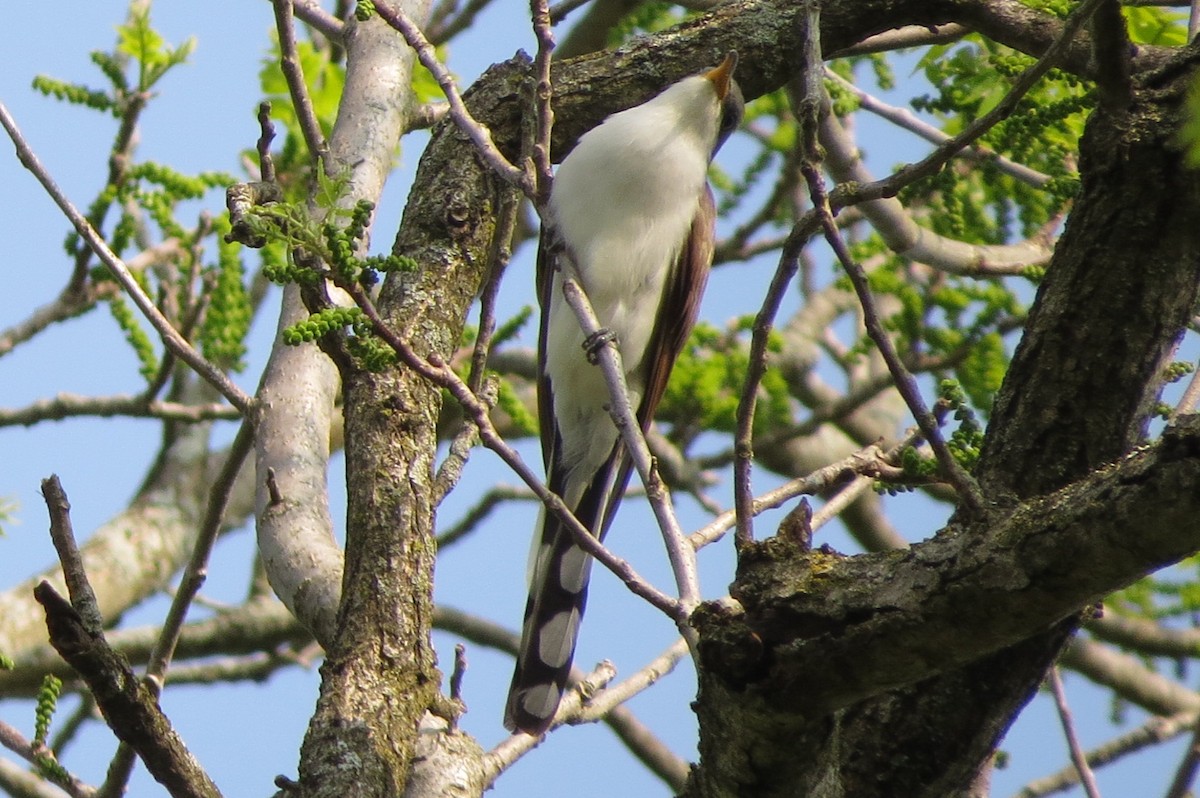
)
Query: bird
[{"x": 631, "y": 208}]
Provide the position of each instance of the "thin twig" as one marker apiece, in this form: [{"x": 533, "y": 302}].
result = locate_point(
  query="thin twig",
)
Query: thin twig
[
  {"x": 847, "y": 493},
  {"x": 543, "y": 94},
  {"x": 908, "y": 36},
  {"x": 560, "y": 10},
  {"x": 496, "y": 496},
  {"x": 440, "y": 33},
  {"x": 616, "y": 694},
  {"x": 170, "y": 336},
  {"x": 681, "y": 555},
  {"x": 435, "y": 369},
  {"x": 500, "y": 256},
  {"x": 196, "y": 570},
  {"x": 129, "y": 708},
  {"x": 83, "y": 598},
  {"x": 648, "y": 749},
  {"x": 743, "y": 445},
  {"x": 311, "y": 12},
  {"x": 14, "y": 741},
  {"x": 460, "y": 670},
  {"x": 480, "y": 136},
  {"x": 1086, "y": 777},
  {"x": 1156, "y": 730},
  {"x": 512, "y": 748},
  {"x": 293, "y": 73},
  {"x": 1187, "y": 402},
  {"x": 789, "y": 264},
  {"x": 823, "y": 207},
  {"x": 904, "y": 118},
  {"x": 119, "y": 772},
  {"x": 70, "y": 405},
  {"x": 1185, "y": 774},
  {"x": 906, "y": 384},
  {"x": 450, "y": 469},
  {"x": 73, "y": 301},
  {"x": 426, "y": 115},
  {"x": 810, "y": 102},
  {"x": 929, "y": 165},
  {"x": 866, "y": 461},
  {"x": 266, "y": 128}
]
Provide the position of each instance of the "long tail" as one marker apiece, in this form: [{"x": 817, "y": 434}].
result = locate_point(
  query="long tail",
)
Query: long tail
[{"x": 557, "y": 595}]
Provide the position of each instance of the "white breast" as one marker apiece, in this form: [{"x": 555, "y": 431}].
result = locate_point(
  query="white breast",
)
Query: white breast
[{"x": 623, "y": 202}]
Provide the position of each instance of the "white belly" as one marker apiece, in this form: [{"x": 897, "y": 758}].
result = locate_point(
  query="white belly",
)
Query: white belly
[{"x": 625, "y": 220}]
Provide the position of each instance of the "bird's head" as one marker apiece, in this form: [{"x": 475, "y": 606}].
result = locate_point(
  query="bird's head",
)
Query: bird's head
[{"x": 729, "y": 95}]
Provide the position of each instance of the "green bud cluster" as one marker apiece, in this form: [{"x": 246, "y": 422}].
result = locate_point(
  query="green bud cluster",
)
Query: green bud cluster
[
  {"x": 47, "y": 702},
  {"x": 76, "y": 94},
  {"x": 372, "y": 353},
  {"x": 320, "y": 324},
  {"x": 1177, "y": 370},
  {"x": 228, "y": 316},
  {"x": 135, "y": 336},
  {"x": 967, "y": 440}
]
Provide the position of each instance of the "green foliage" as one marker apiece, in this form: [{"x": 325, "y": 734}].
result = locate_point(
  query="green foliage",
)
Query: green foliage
[
  {"x": 301, "y": 250},
  {"x": 149, "y": 51},
  {"x": 47, "y": 702},
  {"x": 135, "y": 336},
  {"x": 966, "y": 441},
  {"x": 364, "y": 10},
  {"x": 969, "y": 79},
  {"x": 1177, "y": 370},
  {"x": 523, "y": 421},
  {"x": 227, "y": 318},
  {"x": 1157, "y": 26},
  {"x": 147, "y": 198},
  {"x": 951, "y": 320},
  {"x": 373, "y": 353},
  {"x": 137, "y": 41},
  {"x": 320, "y": 324},
  {"x": 76, "y": 94},
  {"x": 6, "y": 663},
  {"x": 705, "y": 385},
  {"x": 328, "y": 247},
  {"x": 1173, "y": 593}
]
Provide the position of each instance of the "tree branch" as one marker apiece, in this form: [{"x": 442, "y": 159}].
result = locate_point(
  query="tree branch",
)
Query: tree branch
[
  {"x": 171, "y": 337},
  {"x": 982, "y": 590},
  {"x": 130, "y": 709}
]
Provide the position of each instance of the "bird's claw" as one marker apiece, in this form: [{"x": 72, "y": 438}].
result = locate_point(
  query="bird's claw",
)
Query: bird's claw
[{"x": 597, "y": 341}]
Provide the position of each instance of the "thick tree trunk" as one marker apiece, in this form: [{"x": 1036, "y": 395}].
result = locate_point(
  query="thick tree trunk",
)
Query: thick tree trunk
[{"x": 1118, "y": 295}]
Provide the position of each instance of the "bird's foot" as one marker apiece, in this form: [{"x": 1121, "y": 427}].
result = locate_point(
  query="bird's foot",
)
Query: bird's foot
[{"x": 597, "y": 341}]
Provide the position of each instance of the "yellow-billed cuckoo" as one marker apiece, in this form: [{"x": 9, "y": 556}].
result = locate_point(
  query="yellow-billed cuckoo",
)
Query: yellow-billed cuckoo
[{"x": 632, "y": 210}]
